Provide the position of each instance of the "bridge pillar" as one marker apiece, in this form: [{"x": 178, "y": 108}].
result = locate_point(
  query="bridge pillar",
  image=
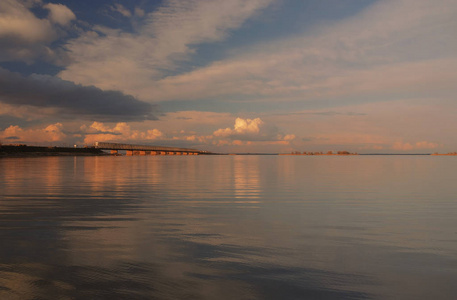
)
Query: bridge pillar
[
  {"x": 178, "y": 153},
  {"x": 142, "y": 153},
  {"x": 153, "y": 152},
  {"x": 129, "y": 152},
  {"x": 185, "y": 153},
  {"x": 163, "y": 153},
  {"x": 171, "y": 153},
  {"x": 135, "y": 152}
]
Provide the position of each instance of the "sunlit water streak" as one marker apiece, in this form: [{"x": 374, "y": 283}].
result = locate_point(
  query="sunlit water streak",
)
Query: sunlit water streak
[{"x": 228, "y": 227}]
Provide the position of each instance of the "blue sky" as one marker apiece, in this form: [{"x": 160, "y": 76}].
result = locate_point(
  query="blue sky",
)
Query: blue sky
[{"x": 231, "y": 76}]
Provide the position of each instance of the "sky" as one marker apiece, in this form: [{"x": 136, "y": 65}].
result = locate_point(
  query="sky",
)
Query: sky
[{"x": 366, "y": 76}]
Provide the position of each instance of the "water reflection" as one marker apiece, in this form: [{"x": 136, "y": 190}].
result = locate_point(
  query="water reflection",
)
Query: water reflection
[
  {"x": 177, "y": 227},
  {"x": 246, "y": 177}
]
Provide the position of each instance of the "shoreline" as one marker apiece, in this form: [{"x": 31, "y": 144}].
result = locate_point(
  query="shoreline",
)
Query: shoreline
[{"x": 41, "y": 151}]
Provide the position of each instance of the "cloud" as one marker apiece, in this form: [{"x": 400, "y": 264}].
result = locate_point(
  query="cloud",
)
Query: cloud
[
  {"x": 25, "y": 37},
  {"x": 25, "y": 113},
  {"x": 241, "y": 127},
  {"x": 18, "y": 22},
  {"x": 139, "y": 12},
  {"x": 110, "y": 58},
  {"x": 51, "y": 133},
  {"x": 252, "y": 130},
  {"x": 419, "y": 145},
  {"x": 374, "y": 126},
  {"x": 121, "y": 132},
  {"x": 121, "y": 9},
  {"x": 396, "y": 46},
  {"x": 45, "y": 91},
  {"x": 246, "y": 132},
  {"x": 59, "y": 14}
]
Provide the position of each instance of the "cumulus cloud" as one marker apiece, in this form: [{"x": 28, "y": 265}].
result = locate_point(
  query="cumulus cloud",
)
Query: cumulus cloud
[
  {"x": 241, "y": 127},
  {"x": 25, "y": 37},
  {"x": 130, "y": 61},
  {"x": 45, "y": 91},
  {"x": 51, "y": 133},
  {"x": 252, "y": 130},
  {"x": 87, "y": 134},
  {"x": 246, "y": 132}
]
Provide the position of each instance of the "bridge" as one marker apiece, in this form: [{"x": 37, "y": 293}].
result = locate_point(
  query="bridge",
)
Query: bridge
[{"x": 146, "y": 150}]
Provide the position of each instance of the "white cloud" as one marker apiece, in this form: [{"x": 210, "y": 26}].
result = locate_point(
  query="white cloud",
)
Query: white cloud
[
  {"x": 241, "y": 127},
  {"x": 252, "y": 130}
]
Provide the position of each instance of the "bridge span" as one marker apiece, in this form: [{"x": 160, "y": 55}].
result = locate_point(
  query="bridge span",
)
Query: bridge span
[{"x": 147, "y": 150}]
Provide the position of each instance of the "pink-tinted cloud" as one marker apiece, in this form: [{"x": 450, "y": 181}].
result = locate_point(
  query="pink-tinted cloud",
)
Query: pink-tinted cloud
[
  {"x": 402, "y": 146},
  {"x": 248, "y": 133},
  {"x": 121, "y": 132},
  {"x": 16, "y": 134},
  {"x": 241, "y": 127},
  {"x": 252, "y": 130}
]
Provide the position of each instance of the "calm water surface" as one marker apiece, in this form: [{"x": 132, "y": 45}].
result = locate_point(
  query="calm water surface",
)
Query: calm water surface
[{"x": 228, "y": 227}]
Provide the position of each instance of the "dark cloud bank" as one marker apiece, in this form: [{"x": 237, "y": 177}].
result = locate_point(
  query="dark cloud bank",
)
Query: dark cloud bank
[{"x": 72, "y": 99}]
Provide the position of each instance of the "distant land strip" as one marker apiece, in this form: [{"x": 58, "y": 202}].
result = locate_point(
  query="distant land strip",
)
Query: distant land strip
[
  {"x": 22, "y": 150},
  {"x": 32, "y": 151},
  {"x": 320, "y": 153}
]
